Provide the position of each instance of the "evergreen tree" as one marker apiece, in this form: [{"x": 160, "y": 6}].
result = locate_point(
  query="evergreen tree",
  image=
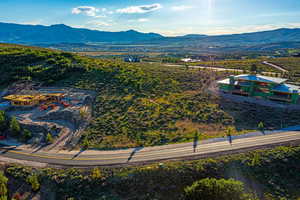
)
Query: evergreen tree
[
  {"x": 2, "y": 120},
  {"x": 14, "y": 126}
]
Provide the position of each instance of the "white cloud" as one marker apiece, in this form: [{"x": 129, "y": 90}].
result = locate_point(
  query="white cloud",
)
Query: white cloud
[
  {"x": 140, "y": 9},
  {"x": 87, "y": 10},
  {"x": 143, "y": 20},
  {"x": 100, "y": 16},
  {"x": 181, "y": 8}
]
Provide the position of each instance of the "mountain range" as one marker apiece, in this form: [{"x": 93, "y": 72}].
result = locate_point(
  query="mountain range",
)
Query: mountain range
[{"x": 60, "y": 33}]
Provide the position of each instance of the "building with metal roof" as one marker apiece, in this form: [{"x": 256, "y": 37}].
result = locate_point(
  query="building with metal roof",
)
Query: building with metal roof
[{"x": 261, "y": 87}]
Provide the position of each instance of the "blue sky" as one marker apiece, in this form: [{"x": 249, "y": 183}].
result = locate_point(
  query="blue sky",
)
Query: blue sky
[{"x": 168, "y": 17}]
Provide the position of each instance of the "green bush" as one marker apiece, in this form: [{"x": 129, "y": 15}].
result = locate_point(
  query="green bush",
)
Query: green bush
[
  {"x": 49, "y": 138},
  {"x": 27, "y": 135},
  {"x": 215, "y": 189},
  {"x": 34, "y": 182},
  {"x": 96, "y": 173},
  {"x": 3, "y": 186}
]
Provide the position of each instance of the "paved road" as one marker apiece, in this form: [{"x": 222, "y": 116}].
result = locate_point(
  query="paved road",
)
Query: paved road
[
  {"x": 220, "y": 68},
  {"x": 274, "y": 66},
  {"x": 142, "y": 155}
]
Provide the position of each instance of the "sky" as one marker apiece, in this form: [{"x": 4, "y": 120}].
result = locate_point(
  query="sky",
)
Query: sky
[{"x": 167, "y": 17}]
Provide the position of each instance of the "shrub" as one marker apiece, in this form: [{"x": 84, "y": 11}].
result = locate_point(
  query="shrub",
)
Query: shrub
[
  {"x": 96, "y": 173},
  {"x": 215, "y": 189},
  {"x": 34, "y": 182},
  {"x": 49, "y": 138},
  {"x": 85, "y": 143},
  {"x": 3, "y": 186},
  {"x": 27, "y": 135}
]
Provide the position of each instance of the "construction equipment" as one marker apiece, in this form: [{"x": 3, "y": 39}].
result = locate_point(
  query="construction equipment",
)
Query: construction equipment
[{"x": 65, "y": 104}]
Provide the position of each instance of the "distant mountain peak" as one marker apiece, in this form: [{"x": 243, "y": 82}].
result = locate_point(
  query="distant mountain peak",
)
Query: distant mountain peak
[
  {"x": 132, "y": 31},
  {"x": 60, "y": 25},
  {"x": 194, "y": 35}
]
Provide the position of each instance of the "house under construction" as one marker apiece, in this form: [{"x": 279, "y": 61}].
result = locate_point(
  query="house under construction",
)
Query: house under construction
[{"x": 34, "y": 100}]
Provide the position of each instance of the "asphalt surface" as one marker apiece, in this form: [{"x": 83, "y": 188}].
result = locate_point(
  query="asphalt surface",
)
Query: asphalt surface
[
  {"x": 275, "y": 66},
  {"x": 148, "y": 154}
]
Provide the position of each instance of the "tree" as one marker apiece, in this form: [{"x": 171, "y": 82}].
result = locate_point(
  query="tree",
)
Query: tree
[
  {"x": 34, "y": 182},
  {"x": 261, "y": 127},
  {"x": 49, "y": 138},
  {"x": 229, "y": 131},
  {"x": 215, "y": 189},
  {"x": 14, "y": 126},
  {"x": 2, "y": 120},
  {"x": 253, "y": 68},
  {"x": 96, "y": 173},
  {"x": 27, "y": 135},
  {"x": 85, "y": 143},
  {"x": 3, "y": 186}
]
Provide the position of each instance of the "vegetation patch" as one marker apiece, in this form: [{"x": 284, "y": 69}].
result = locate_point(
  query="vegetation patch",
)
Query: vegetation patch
[{"x": 263, "y": 174}]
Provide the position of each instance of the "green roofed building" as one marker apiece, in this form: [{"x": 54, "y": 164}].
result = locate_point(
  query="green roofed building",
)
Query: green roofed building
[{"x": 261, "y": 87}]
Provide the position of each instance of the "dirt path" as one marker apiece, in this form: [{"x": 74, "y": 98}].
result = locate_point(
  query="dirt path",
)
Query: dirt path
[{"x": 32, "y": 118}]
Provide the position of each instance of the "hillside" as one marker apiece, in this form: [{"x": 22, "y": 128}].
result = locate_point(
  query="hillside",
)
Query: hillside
[
  {"x": 140, "y": 104},
  {"x": 60, "y": 33},
  {"x": 136, "y": 104}
]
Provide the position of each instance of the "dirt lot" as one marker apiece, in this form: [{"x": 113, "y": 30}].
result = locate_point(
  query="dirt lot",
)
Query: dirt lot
[{"x": 64, "y": 120}]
